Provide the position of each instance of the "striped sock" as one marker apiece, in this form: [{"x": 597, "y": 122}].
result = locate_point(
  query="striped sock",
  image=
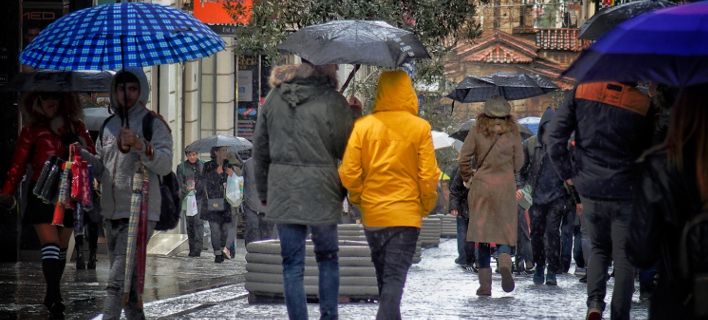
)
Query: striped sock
[
  {"x": 62, "y": 254},
  {"x": 51, "y": 252},
  {"x": 62, "y": 260}
]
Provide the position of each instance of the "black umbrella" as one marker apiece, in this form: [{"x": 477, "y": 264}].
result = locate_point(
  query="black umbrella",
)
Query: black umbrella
[
  {"x": 607, "y": 19},
  {"x": 355, "y": 42},
  {"x": 464, "y": 128},
  {"x": 61, "y": 81},
  {"x": 510, "y": 86}
]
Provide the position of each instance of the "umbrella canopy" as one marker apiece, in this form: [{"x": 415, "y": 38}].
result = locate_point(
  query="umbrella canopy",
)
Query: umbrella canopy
[
  {"x": 607, "y": 19},
  {"x": 116, "y": 36},
  {"x": 464, "y": 129},
  {"x": 531, "y": 122},
  {"x": 94, "y": 118},
  {"x": 52, "y": 81},
  {"x": 667, "y": 46},
  {"x": 441, "y": 140},
  {"x": 511, "y": 86},
  {"x": 235, "y": 144},
  {"x": 355, "y": 42}
]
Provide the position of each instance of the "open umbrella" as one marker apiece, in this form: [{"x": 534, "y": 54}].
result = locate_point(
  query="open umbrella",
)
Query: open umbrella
[
  {"x": 464, "y": 129},
  {"x": 53, "y": 81},
  {"x": 510, "y": 86},
  {"x": 441, "y": 140},
  {"x": 355, "y": 42},
  {"x": 531, "y": 122},
  {"x": 607, "y": 19},
  {"x": 235, "y": 144},
  {"x": 667, "y": 46}
]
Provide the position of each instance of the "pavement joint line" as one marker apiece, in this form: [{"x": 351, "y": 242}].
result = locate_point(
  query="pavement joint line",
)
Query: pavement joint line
[{"x": 202, "y": 306}]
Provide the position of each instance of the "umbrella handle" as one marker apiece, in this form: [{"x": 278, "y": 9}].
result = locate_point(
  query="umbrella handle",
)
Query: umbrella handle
[{"x": 351, "y": 76}]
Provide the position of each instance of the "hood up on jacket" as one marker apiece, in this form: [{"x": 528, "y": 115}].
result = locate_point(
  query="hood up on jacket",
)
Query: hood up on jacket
[
  {"x": 299, "y": 83},
  {"x": 144, "y": 88},
  {"x": 396, "y": 93},
  {"x": 545, "y": 120}
]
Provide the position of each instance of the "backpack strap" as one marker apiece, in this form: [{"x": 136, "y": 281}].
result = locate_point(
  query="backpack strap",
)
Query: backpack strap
[
  {"x": 148, "y": 121},
  {"x": 103, "y": 127}
]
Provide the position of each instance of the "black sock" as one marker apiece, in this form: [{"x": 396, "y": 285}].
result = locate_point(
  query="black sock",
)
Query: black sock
[{"x": 51, "y": 270}]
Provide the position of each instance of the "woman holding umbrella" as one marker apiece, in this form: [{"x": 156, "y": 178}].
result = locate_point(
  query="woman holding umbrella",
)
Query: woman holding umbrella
[
  {"x": 489, "y": 157},
  {"x": 52, "y": 122},
  {"x": 216, "y": 209}
]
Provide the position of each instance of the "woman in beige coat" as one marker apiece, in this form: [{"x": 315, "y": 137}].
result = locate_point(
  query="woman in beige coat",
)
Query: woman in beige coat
[{"x": 489, "y": 157}]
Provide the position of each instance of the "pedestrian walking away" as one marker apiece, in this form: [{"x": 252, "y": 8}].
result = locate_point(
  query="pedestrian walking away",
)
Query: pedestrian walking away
[
  {"x": 122, "y": 152},
  {"x": 489, "y": 157},
  {"x": 190, "y": 177},
  {"x": 52, "y": 122},
  {"x": 301, "y": 133},
  {"x": 391, "y": 173},
  {"x": 604, "y": 177}
]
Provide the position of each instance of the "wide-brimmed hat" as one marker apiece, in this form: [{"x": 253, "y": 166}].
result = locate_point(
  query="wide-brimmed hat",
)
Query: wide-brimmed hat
[{"x": 497, "y": 107}]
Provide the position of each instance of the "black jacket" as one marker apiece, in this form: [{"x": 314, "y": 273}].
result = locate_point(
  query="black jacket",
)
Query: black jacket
[
  {"x": 458, "y": 194},
  {"x": 214, "y": 189},
  {"x": 665, "y": 200},
  {"x": 613, "y": 125}
]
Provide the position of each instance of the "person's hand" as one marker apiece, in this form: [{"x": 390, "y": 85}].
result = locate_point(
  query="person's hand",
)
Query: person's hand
[
  {"x": 579, "y": 210},
  {"x": 130, "y": 139},
  {"x": 569, "y": 182},
  {"x": 229, "y": 171},
  {"x": 454, "y": 212},
  {"x": 519, "y": 195},
  {"x": 7, "y": 201}
]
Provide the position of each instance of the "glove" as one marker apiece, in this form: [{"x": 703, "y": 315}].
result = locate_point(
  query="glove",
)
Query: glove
[{"x": 7, "y": 201}]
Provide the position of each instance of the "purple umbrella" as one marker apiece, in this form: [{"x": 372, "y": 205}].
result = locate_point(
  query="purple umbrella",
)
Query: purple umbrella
[{"x": 668, "y": 46}]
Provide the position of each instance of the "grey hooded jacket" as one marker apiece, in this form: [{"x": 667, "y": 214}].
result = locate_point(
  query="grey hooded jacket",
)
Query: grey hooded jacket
[{"x": 115, "y": 170}]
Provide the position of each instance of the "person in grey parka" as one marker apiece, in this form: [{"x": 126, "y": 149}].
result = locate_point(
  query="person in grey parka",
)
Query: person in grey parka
[{"x": 301, "y": 134}]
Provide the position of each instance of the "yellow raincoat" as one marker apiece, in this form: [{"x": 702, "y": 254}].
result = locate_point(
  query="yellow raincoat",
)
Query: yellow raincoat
[{"x": 389, "y": 165}]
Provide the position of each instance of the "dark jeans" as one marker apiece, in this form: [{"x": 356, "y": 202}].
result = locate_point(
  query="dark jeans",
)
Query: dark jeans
[
  {"x": 485, "y": 253},
  {"x": 523, "y": 243},
  {"x": 219, "y": 234},
  {"x": 607, "y": 223},
  {"x": 292, "y": 250},
  {"x": 545, "y": 232},
  {"x": 465, "y": 249},
  {"x": 195, "y": 234},
  {"x": 578, "y": 248},
  {"x": 256, "y": 228},
  {"x": 566, "y": 243},
  {"x": 392, "y": 252}
]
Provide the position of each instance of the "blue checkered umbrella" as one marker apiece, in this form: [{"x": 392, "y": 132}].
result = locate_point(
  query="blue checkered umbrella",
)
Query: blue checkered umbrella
[{"x": 116, "y": 36}]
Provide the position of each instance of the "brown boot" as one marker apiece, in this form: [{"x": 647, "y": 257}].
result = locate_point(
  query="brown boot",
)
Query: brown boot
[
  {"x": 485, "y": 282},
  {"x": 505, "y": 270}
]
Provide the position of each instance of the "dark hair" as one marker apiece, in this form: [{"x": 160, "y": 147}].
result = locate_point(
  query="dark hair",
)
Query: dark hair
[{"x": 125, "y": 77}]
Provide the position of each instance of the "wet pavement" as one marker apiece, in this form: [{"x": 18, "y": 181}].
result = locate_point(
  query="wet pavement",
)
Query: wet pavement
[{"x": 178, "y": 288}]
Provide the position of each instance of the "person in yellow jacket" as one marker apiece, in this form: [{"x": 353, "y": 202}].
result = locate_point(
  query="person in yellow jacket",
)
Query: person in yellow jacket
[{"x": 390, "y": 171}]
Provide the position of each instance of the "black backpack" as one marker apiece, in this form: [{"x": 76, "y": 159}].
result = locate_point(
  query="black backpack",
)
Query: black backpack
[{"x": 170, "y": 205}]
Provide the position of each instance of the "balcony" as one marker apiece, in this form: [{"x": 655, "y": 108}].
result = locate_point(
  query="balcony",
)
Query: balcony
[{"x": 564, "y": 39}]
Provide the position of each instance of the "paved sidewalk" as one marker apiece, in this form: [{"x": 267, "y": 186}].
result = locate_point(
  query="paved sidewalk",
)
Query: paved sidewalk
[{"x": 22, "y": 283}]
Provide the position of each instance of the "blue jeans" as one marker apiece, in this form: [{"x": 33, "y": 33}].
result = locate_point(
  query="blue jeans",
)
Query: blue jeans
[
  {"x": 485, "y": 253},
  {"x": 292, "y": 247},
  {"x": 392, "y": 252},
  {"x": 465, "y": 249}
]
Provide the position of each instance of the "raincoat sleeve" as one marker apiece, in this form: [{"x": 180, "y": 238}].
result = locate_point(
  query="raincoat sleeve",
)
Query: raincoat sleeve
[
  {"x": 261, "y": 151},
  {"x": 19, "y": 160},
  {"x": 526, "y": 167},
  {"x": 466, "y": 153},
  {"x": 161, "y": 160},
  {"x": 351, "y": 172},
  {"x": 561, "y": 127},
  {"x": 519, "y": 157},
  {"x": 457, "y": 192},
  {"x": 428, "y": 173},
  {"x": 181, "y": 181}
]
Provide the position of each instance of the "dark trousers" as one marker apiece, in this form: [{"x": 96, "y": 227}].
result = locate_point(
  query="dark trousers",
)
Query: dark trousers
[
  {"x": 607, "y": 223},
  {"x": 545, "y": 232},
  {"x": 523, "y": 243},
  {"x": 578, "y": 248},
  {"x": 195, "y": 234},
  {"x": 257, "y": 228},
  {"x": 219, "y": 235},
  {"x": 392, "y": 252},
  {"x": 465, "y": 249},
  {"x": 566, "y": 243}
]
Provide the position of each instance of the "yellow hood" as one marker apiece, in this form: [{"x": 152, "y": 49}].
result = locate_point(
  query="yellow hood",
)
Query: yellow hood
[{"x": 395, "y": 93}]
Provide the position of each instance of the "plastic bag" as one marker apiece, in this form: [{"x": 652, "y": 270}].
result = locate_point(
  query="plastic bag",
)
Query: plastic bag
[
  {"x": 234, "y": 195},
  {"x": 191, "y": 208}
]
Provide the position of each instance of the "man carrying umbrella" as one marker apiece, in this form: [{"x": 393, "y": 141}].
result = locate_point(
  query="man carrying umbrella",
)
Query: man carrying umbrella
[
  {"x": 613, "y": 125},
  {"x": 115, "y": 170},
  {"x": 301, "y": 134}
]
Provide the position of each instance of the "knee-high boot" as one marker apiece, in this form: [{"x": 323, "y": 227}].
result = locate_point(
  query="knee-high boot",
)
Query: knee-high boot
[{"x": 52, "y": 268}]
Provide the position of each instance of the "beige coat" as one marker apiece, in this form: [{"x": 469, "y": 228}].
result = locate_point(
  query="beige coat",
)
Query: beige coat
[{"x": 492, "y": 201}]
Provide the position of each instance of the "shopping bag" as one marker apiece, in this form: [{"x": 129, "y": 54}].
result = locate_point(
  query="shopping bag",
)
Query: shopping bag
[
  {"x": 233, "y": 190},
  {"x": 191, "y": 207}
]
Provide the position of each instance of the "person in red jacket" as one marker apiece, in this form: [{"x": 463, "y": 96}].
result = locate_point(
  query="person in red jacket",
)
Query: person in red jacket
[{"x": 52, "y": 122}]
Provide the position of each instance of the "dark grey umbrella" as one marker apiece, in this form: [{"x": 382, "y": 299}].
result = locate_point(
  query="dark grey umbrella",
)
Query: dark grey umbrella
[
  {"x": 464, "y": 128},
  {"x": 235, "y": 144},
  {"x": 510, "y": 86},
  {"x": 61, "y": 81},
  {"x": 94, "y": 118},
  {"x": 355, "y": 42},
  {"x": 607, "y": 19}
]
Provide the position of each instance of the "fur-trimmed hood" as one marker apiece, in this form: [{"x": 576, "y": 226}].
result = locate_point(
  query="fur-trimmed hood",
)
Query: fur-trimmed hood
[{"x": 298, "y": 83}]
